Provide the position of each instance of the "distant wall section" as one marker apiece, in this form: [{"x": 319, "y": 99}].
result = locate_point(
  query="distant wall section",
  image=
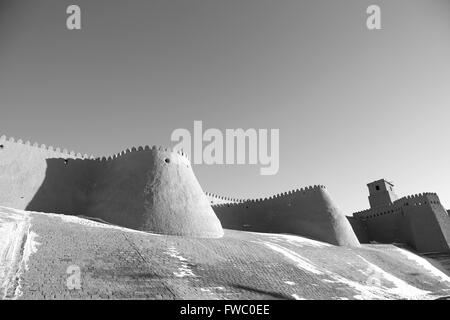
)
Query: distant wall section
[
  {"x": 419, "y": 221},
  {"x": 308, "y": 212}
]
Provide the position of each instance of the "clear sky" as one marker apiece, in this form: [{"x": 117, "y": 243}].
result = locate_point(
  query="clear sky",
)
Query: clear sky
[{"x": 352, "y": 105}]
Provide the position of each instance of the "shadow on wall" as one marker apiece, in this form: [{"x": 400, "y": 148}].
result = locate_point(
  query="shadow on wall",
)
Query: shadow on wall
[
  {"x": 66, "y": 187},
  {"x": 148, "y": 190},
  {"x": 109, "y": 190}
]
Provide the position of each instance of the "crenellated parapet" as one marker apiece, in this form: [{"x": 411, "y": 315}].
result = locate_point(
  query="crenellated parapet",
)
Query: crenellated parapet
[
  {"x": 284, "y": 196},
  {"x": 216, "y": 200},
  {"x": 56, "y": 152},
  {"x": 143, "y": 149},
  {"x": 140, "y": 149},
  {"x": 49, "y": 151},
  {"x": 419, "y": 199},
  {"x": 418, "y": 220},
  {"x": 363, "y": 214}
]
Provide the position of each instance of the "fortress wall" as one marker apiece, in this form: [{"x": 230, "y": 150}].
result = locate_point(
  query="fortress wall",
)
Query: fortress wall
[
  {"x": 65, "y": 188},
  {"x": 360, "y": 228},
  {"x": 425, "y": 232},
  {"x": 385, "y": 228},
  {"x": 146, "y": 189},
  {"x": 443, "y": 219},
  {"x": 23, "y": 168},
  {"x": 417, "y": 220},
  {"x": 216, "y": 199},
  {"x": 426, "y": 226},
  {"x": 308, "y": 212},
  {"x": 153, "y": 190},
  {"x": 118, "y": 187},
  {"x": 383, "y": 224}
]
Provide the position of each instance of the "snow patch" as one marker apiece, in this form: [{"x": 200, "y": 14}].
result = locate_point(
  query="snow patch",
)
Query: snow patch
[
  {"x": 84, "y": 221},
  {"x": 80, "y": 220},
  {"x": 17, "y": 244},
  {"x": 386, "y": 286},
  {"x": 295, "y": 240},
  {"x": 425, "y": 264},
  {"x": 376, "y": 289},
  {"x": 30, "y": 247},
  {"x": 401, "y": 288},
  {"x": 302, "y": 263},
  {"x": 184, "y": 270}
]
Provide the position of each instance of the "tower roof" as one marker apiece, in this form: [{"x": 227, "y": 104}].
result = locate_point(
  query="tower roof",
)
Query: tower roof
[{"x": 390, "y": 183}]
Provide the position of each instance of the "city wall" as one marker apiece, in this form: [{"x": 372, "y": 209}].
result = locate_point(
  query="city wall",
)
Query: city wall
[
  {"x": 419, "y": 221},
  {"x": 308, "y": 212},
  {"x": 150, "y": 189}
]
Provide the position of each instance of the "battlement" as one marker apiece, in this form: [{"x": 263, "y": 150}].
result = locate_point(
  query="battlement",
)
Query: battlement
[
  {"x": 305, "y": 191},
  {"x": 418, "y": 199},
  {"x": 139, "y": 149},
  {"x": 361, "y": 213},
  {"x": 50, "y": 151},
  {"x": 216, "y": 199},
  {"x": 377, "y": 212},
  {"x": 42, "y": 148}
]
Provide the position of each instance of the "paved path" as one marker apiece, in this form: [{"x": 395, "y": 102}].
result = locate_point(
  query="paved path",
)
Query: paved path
[{"x": 66, "y": 257}]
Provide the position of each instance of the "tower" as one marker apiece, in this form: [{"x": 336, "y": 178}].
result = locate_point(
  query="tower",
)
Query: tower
[{"x": 381, "y": 193}]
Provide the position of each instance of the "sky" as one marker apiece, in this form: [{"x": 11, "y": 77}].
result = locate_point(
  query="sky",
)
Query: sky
[{"x": 352, "y": 105}]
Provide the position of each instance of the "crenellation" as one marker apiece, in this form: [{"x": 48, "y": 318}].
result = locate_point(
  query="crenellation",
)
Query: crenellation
[
  {"x": 415, "y": 219},
  {"x": 279, "y": 196},
  {"x": 73, "y": 178},
  {"x": 417, "y": 199}
]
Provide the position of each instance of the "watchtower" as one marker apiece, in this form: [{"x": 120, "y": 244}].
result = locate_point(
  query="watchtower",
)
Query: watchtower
[{"x": 381, "y": 193}]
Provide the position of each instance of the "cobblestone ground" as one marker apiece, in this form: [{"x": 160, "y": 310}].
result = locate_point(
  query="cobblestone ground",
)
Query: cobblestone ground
[{"x": 117, "y": 263}]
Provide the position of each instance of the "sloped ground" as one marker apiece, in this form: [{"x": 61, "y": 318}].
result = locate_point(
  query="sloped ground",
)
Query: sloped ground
[{"x": 41, "y": 256}]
